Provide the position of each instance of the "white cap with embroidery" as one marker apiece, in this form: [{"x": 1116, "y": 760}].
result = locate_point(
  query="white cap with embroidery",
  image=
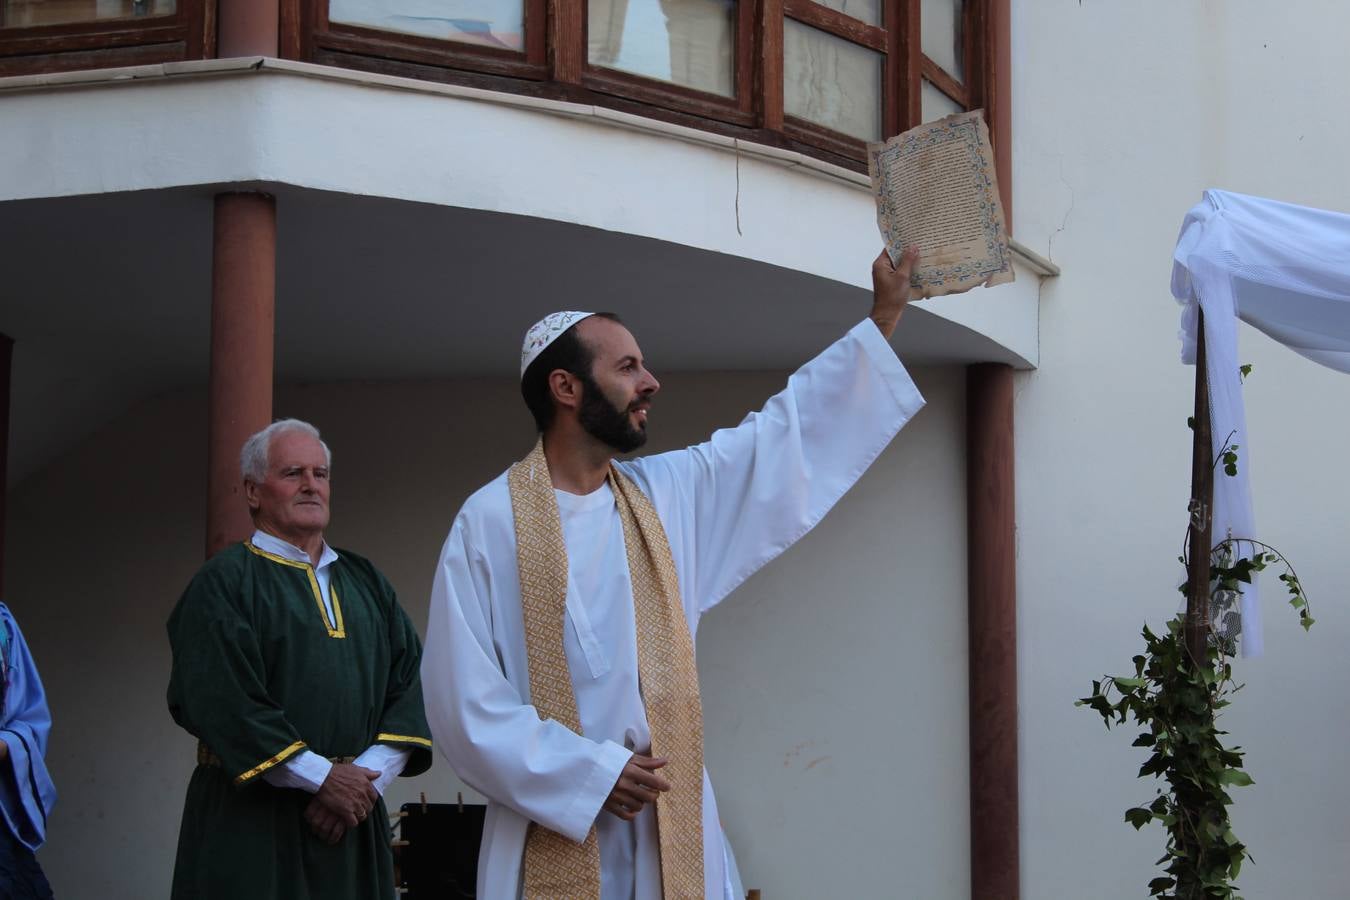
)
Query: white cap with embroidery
[{"x": 544, "y": 332}]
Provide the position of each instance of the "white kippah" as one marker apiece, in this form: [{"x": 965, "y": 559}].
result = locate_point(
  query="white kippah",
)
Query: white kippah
[{"x": 544, "y": 332}]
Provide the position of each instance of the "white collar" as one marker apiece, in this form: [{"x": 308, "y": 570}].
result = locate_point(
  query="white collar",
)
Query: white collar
[{"x": 275, "y": 545}]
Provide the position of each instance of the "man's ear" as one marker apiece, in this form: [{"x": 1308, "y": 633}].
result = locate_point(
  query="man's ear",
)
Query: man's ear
[
  {"x": 565, "y": 388},
  {"x": 251, "y": 495}
]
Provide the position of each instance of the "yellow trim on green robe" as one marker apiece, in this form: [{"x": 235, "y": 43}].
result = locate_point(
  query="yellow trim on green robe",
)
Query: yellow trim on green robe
[{"x": 337, "y": 630}]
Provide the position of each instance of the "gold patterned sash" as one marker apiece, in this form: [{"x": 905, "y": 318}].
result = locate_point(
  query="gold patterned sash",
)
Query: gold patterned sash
[{"x": 555, "y": 867}]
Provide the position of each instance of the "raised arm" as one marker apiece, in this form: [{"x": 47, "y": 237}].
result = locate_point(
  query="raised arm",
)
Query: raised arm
[
  {"x": 739, "y": 499},
  {"x": 890, "y": 290}
]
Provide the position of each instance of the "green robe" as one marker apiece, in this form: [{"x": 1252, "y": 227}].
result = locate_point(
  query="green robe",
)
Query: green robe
[{"x": 260, "y": 674}]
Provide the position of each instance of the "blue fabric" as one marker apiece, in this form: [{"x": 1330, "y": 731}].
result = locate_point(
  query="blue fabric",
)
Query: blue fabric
[{"x": 25, "y": 723}]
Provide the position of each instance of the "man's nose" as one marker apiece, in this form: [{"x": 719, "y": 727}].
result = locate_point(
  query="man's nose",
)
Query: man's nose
[{"x": 651, "y": 386}]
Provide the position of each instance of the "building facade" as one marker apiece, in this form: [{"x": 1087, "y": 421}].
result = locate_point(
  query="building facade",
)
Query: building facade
[{"x": 348, "y": 211}]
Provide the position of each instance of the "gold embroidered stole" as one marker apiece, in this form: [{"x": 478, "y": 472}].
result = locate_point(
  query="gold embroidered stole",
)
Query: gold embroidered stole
[{"x": 555, "y": 867}]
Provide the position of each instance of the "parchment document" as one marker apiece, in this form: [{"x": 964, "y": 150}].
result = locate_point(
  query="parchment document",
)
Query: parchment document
[{"x": 935, "y": 189}]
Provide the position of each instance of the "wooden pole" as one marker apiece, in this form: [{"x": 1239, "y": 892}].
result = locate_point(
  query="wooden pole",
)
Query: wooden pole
[
  {"x": 991, "y": 527},
  {"x": 243, "y": 293},
  {"x": 248, "y": 28},
  {"x": 1200, "y": 537}
]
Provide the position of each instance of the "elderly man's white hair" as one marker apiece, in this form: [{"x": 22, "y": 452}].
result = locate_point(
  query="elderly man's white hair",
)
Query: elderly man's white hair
[{"x": 253, "y": 458}]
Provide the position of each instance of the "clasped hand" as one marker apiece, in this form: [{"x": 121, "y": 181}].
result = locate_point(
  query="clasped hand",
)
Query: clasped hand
[
  {"x": 638, "y": 785},
  {"x": 343, "y": 801}
]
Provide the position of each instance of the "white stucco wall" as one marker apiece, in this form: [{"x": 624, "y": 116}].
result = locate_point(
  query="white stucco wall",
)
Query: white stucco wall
[
  {"x": 1123, "y": 114},
  {"x": 834, "y": 681}
]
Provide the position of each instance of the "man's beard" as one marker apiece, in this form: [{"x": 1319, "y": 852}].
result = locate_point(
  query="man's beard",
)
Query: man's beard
[{"x": 606, "y": 422}]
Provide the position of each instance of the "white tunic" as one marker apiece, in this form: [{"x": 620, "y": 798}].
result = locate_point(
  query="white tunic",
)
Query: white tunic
[{"x": 728, "y": 506}]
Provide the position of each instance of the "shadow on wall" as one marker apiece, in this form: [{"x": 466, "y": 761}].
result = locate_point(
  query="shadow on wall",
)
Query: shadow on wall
[{"x": 104, "y": 538}]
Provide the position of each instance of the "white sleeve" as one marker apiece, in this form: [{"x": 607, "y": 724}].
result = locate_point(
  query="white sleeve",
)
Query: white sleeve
[
  {"x": 492, "y": 738},
  {"x": 305, "y": 771},
  {"x": 387, "y": 760},
  {"x": 736, "y": 501}
]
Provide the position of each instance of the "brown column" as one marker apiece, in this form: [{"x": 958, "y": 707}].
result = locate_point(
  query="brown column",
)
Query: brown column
[
  {"x": 248, "y": 28},
  {"x": 243, "y": 290},
  {"x": 6, "y": 360},
  {"x": 990, "y": 533}
]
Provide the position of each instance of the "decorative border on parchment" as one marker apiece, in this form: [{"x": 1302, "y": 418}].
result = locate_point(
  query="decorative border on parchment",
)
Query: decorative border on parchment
[{"x": 966, "y": 128}]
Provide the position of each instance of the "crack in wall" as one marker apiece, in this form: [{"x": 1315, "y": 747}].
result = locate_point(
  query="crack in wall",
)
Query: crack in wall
[{"x": 1064, "y": 221}]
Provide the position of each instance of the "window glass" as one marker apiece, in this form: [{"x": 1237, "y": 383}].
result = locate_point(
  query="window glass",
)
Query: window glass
[
  {"x": 941, "y": 34},
  {"x": 937, "y": 104},
  {"x": 488, "y": 23},
  {"x": 868, "y": 11},
  {"x": 30, "y": 13},
  {"x": 831, "y": 81},
  {"x": 686, "y": 42}
]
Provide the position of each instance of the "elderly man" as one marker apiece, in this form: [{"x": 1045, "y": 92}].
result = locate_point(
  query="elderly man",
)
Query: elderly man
[
  {"x": 560, "y": 656},
  {"x": 297, "y": 671}
]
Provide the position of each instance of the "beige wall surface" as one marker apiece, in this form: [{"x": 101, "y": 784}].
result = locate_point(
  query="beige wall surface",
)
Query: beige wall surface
[
  {"x": 834, "y": 681},
  {"x": 1123, "y": 114}
]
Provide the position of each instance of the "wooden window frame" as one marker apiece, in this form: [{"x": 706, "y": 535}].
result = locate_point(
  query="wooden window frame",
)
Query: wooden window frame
[
  {"x": 308, "y": 34},
  {"x": 736, "y": 110},
  {"x": 889, "y": 40},
  {"x": 553, "y": 64},
  {"x": 189, "y": 33}
]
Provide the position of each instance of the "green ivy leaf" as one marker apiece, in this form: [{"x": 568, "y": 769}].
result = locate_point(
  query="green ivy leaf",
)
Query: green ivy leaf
[
  {"x": 1175, "y": 703},
  {"x": 1156, "y": 765},
  {"x": 1138, "y": 817}
]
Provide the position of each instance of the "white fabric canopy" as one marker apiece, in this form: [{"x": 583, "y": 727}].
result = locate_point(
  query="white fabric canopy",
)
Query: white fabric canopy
[{"x": 1283, "y": 269}]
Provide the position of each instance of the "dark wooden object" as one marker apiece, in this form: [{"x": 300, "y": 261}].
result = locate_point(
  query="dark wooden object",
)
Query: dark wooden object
[
  {"x": 188, "y": 33},
  {"x": 1200, "y": 535},
  {"x": 991, "y": 534},
  {"x": 243, "y": 294},
  {"x": 437, "y": 854},
  {"x": 248, "y": 28}
]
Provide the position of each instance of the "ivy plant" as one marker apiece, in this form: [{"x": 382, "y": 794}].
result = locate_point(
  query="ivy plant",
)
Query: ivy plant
[{"x": 1176, "y": 701}]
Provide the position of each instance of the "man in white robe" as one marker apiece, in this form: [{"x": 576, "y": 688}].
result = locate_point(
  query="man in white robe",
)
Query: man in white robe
[{"x": 727, "y": 506}]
